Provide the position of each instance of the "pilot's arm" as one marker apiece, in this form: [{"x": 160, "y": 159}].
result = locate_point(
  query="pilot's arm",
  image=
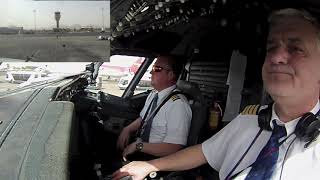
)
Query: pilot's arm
[
  {"x": 185, "y": 159},
  {"x": 133, "y": 127},
  {"x": 124, "y": 136}
]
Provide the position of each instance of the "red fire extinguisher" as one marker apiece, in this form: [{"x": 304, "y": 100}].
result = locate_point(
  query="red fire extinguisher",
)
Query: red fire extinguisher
[{"x": 215, "y": 115}]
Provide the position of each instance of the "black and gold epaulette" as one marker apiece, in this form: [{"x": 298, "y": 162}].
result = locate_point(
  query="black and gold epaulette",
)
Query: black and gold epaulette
[
  {"x": 175, "y": 97},
  {"x": 251, "y": 110}
]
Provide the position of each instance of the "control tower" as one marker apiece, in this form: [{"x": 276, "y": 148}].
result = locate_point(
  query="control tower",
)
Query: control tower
[{"x": 57, "y": 17}]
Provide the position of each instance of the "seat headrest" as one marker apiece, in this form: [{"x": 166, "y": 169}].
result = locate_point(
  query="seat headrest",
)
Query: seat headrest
[{"x": 190, "y": 88}]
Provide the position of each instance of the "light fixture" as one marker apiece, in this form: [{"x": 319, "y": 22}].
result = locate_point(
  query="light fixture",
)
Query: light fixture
[
  {"x": 145, "y": 8},
  {"x": 131, "y": 13},
  {"x": 134, "y": 6},
  {"x": 128, "y": 17}
]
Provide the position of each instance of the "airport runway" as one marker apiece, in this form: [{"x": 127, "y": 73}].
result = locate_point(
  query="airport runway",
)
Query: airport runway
[{"x": 76, "y": 47}]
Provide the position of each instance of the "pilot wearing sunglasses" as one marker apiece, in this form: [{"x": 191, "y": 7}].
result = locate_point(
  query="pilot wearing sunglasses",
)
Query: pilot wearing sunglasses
[{"x": 165, "y": 132}]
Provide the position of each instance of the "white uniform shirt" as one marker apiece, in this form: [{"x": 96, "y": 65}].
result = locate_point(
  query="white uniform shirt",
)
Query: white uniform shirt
[
  {"x": 171, "y": 123},
  {"x": 224, "y": 150}
]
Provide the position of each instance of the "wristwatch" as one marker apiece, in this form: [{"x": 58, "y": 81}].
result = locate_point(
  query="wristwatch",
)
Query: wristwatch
[{"x": 139, "y": 146}]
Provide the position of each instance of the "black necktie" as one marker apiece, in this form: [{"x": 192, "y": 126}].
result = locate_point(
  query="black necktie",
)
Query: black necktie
[
  {"x": 146, "y": 127},
  {"x": 265, "y": 163}
]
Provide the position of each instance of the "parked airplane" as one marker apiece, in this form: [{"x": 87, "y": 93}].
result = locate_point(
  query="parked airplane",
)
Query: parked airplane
[
  {"x": 145, "y": 82},
  {"x": 115, "y": 71},
  {"x": 27, "y": 73}
]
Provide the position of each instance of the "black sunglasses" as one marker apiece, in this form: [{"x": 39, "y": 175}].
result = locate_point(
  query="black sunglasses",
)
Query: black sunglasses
[{"x": 159, "y": 69}]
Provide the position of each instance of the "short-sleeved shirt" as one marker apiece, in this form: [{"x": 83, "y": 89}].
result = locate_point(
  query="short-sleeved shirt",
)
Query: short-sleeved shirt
[
  {"x": 172, "y": 122},
  {"x": 224, "y": 150}
]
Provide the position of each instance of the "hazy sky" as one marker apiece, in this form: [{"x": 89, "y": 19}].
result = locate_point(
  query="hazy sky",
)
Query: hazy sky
[{"x": 21, "y": 13}]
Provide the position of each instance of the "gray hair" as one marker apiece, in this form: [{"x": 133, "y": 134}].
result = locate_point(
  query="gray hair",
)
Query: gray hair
[{"x": 291, "y": 12}]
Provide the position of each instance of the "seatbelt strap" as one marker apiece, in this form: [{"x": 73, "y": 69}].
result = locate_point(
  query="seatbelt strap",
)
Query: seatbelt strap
[
  {"x": 147, "y": 112},
  {"x": 149, "y": 121}
]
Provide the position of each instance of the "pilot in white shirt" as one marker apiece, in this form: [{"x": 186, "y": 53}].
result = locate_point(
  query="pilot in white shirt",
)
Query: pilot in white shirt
[
  {"x": 224, "y": 150},
  {"x": 172, "y": 122},
  {"x": 169, "y": 129}
]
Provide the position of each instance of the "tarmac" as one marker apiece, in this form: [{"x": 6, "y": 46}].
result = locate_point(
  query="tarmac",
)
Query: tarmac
[{"x": 66, "y": 47}]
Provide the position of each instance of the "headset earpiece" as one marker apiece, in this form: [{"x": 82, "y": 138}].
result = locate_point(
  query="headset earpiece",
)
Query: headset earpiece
[
  {"x": 304, "y": 122},
  {"x": 264, "y": 117},
  {"x": 313, "y": 130},
  {"x": 308, "y": 127}
]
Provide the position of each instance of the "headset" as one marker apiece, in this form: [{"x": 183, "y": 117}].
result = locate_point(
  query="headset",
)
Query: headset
[{"x": 307, "y": 130}]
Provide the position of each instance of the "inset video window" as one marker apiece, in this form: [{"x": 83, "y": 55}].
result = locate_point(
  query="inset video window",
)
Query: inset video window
[{"x": 38, "y": 31}]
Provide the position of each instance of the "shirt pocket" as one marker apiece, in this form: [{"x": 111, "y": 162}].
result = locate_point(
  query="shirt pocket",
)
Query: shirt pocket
[{"x": 158, "y": 131}]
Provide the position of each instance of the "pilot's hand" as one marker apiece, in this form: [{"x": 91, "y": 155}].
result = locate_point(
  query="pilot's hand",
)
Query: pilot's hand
[
  {"x": 131, "y": 148},
  {"x": 136, "y": 169},
  {"x": 123, "y": 139}
]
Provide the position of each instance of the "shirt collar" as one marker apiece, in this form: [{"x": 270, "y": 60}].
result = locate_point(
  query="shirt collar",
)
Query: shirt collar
[
  {"x": 291, "y": 125},
  {"x": 163, "y": 93}
]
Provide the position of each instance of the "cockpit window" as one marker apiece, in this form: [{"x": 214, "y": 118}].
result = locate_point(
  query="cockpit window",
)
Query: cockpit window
[
  {"x": 19, "y": 75},
  {"x": 32, "y": 30},
  {"x": 117, "y": 74}
]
